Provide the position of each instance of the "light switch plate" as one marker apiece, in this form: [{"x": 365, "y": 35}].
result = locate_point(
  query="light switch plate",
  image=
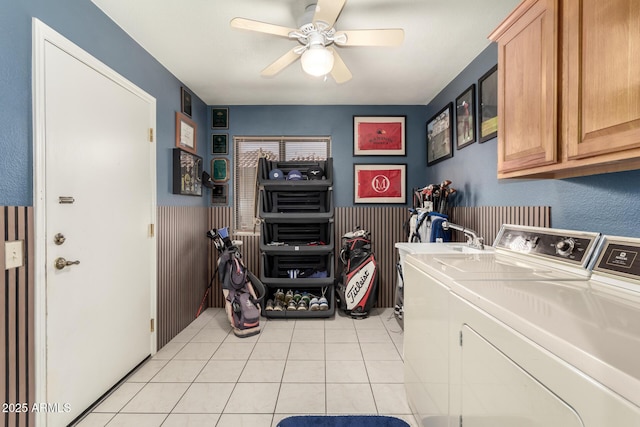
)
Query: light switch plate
[{"x": 13, "y": 254}]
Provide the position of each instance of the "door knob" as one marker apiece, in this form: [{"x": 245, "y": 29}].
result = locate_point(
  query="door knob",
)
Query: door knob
[{"x": 61, "y": 263}]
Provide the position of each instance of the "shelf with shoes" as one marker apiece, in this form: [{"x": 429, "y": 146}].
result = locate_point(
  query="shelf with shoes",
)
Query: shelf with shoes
[
  {"x": 302, "y": 302},
  {"x": 296, "y": 236}
]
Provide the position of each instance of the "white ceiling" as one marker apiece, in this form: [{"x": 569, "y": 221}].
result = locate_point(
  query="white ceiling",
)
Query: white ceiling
[{"x": 221, "y": 65}]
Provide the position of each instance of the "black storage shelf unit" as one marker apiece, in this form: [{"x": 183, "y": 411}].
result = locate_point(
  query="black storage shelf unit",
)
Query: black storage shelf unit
[
  {"x": 266, "y": 166},
  {"x": 296, "y": 238},
  {"x": 297, "y": 217}
]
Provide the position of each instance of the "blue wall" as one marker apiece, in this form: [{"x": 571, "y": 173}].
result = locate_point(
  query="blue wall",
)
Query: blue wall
[
  {"x": 335, "y": 121},
  {"x": 85, "y": 25},
  {"x": 608, "y": 203}
]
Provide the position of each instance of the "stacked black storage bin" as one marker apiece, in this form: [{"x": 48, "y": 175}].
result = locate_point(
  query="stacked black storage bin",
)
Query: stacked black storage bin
[{"x": 296, "y": 234}]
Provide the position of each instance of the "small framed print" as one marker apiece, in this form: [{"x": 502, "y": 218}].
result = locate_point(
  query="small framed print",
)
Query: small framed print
[
  {"x": 466, "y": 117},
  {"x": 187, "y": 173},
  {"x": 379, "y": 135},
  {"x": 219, "y": 118},
  {"x": 377, "y": 183},
  {"x": 219, "y": 144},
  {"x": 220, "y": 194},
  {"x": 185, "y": 101},
  {"x": 219, "y": 169},
  {"x": 439, "y": 136},
  {"x": 488, "y": 99},
  {"x": 186, "y": 133}
]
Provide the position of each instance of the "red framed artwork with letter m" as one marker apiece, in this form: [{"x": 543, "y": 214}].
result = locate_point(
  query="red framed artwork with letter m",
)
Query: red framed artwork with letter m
[{"x": 375, "y": 183}]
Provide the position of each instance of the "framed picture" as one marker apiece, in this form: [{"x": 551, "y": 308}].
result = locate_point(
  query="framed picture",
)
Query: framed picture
[
  {"x": 186, "y": 133},
  {"x": 219, "y": 169},
  {"x": 219, "y": 118},
  {"x": 219, "y": 144},
  {"x": 466, "y": 117},
  {"x": 376, "y": 183},
  {"x": 379, "y": 136},
  {"x": 220, "y": 194},
  {"x": 488, "y": 99},
  {"x": 440, "y": 136},
  {"x": 185, "y": 102},
  {"x": 187, "y": 173}
]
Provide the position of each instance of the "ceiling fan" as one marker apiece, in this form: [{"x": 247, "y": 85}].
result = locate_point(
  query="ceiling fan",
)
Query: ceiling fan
[{"x": 316, "y": 36}]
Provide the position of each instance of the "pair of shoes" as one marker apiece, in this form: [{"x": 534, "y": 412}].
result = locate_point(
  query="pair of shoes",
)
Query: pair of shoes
[
  {"x": 269, "y": 306},
  {"x": 305, "y": 297},
  {"x": 296, "y": 296}
]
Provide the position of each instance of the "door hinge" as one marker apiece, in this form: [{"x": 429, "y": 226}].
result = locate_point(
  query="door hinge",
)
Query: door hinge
[
  {"x": 153, "y": 325},
  {"x": 150, "y": 134},
  {"x": 152, "y": 230},
  {"x": 460, "y": 338}
]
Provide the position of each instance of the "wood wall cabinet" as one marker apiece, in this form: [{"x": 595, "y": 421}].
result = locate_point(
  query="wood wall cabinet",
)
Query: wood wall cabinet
[{"x": 568, "y": 88}]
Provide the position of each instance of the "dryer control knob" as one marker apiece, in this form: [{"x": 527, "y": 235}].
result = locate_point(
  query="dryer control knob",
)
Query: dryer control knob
[{"x": 565, "y": 247}]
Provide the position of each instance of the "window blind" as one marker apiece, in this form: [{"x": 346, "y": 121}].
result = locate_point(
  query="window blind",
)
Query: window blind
[{"x": 247, "y": 151}]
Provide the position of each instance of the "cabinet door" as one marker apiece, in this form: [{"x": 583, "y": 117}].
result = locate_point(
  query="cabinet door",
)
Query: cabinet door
[
  {"x": 527, "y": 86},
  {"x": 602, "y": 101}
]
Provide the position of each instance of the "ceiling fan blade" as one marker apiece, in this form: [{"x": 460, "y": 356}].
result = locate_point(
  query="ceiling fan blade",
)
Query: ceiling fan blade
[
  {"x": 385, "y": 37},
  {"x": 328, "y": 11},
  {"x": 281, "y": 63},
  {"x": 262, "y": 27},
  {"x": 339, "y": 72}
]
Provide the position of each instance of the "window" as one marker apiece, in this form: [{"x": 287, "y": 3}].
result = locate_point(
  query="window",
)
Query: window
[{"x": 247, "y": 150}]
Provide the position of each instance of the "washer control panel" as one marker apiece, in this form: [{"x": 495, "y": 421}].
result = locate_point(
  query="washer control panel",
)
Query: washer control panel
[
  {"x": 563, "y": 245},
  {"x": 620, "y": 257}
]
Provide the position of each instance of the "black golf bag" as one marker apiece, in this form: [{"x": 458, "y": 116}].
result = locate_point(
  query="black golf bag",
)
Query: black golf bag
[
  {"x": 357, "y": 278},
  {"x": 239, "y": 286}
]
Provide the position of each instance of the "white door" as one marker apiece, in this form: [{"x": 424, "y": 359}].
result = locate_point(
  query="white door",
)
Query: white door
[{"x": 99, "y": 196}]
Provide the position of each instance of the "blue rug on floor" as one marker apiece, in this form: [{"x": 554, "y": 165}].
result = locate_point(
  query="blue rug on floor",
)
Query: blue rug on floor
[{"x": 342, "y": 421}]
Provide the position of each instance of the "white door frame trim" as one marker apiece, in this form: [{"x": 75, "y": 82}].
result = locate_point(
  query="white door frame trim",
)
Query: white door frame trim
[{"x": 43, "y": 34}]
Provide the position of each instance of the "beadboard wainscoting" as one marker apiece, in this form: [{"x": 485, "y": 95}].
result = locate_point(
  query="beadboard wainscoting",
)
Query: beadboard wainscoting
[
  {"x": 486, "y": 220},
  {"x": 17, "y": 317},
  {"x": 182, "y": 267}
]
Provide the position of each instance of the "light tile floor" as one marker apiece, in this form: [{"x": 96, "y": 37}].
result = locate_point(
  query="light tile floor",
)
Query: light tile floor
[{"x": 206, "y": 376}]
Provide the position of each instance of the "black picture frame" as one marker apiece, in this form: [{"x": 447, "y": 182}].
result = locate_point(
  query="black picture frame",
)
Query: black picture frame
[
  {"x": 440, "y": 135},
  {"x": 220, "y": 144},
  {"x": 488, "y": 105},
  {"x": 220, "y": 118},
  {"x": 187, "y": 173},
  {"x": 220, "y": 194},
  {"x": 466, "y": 117},
  {"x": 185, "y": 101}
]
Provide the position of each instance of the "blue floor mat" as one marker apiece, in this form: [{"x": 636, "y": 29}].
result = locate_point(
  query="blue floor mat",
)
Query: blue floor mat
[{"x": 342, "y": 421}]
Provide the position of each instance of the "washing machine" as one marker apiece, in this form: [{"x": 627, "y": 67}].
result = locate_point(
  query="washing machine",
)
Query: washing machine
[{"x": 533, "y": 350}]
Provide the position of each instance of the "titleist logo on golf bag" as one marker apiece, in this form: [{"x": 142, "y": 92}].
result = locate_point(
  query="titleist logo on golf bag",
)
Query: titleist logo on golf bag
[{"x": 358, "y": 284}]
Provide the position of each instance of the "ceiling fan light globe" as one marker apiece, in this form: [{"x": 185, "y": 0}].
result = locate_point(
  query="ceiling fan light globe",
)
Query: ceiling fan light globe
[{"x": 317, "y": 61}]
